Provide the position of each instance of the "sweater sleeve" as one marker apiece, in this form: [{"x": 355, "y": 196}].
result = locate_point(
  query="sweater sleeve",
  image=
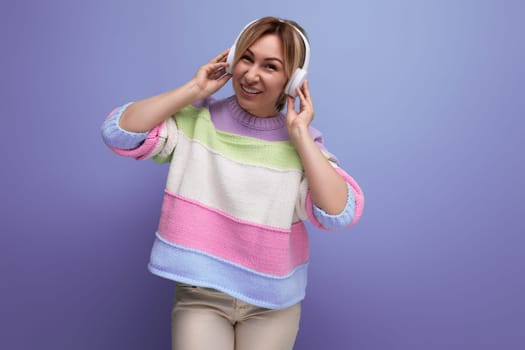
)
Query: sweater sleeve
[
  {"x": 338, "y": 221},
  {"x": 158, "y": 143},
  {"x": 355, "y": 199},
  {"x": 114, "y": 136}
]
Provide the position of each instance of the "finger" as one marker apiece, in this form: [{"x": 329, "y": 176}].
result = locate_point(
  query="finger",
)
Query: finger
[
  {"x": 223, "y": 79},
  {"x": 300, "y": 93},
  {"x": 302, "y": 99},
  {"x": 304, "y": 94},
  {"x": 219, "y": 68},
  {"x": 305, "y": 90},
  {"x": 220, "y": 57},
  {"x": 290, "y": 105},
  {"x": 217, "y": 73},
  {"x": 213, "y": 67}
]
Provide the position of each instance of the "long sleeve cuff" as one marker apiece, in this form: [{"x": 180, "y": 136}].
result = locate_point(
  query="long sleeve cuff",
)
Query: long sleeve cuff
[
  {"x": 338, "y": 221},
  {"x": 114, "y": 136}
]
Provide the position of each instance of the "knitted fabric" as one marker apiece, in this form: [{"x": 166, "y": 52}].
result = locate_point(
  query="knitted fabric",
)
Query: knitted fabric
[
  {"x": 114, "y": 136},
  {"x": 234, "y": 205}
]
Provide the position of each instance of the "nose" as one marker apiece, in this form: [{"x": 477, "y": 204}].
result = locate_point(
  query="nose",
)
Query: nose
[{"x": 252, "y": 74}]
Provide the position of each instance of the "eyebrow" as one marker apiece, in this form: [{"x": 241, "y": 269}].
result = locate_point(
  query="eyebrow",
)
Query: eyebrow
[{"x": 266, "y": 59}]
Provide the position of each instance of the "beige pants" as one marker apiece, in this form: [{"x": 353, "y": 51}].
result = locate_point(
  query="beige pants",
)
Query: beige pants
[{"x": 206, "y": 319}]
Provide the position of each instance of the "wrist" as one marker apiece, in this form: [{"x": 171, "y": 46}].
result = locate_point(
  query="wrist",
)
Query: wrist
[
  {"x": 299, "y": 134},
  {"x": 195, "y": 92}
]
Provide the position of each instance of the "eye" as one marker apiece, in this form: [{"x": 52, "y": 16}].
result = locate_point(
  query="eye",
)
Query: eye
[
  {"x": 271, "y": 67},
  {"x": 247, "y": 58}
]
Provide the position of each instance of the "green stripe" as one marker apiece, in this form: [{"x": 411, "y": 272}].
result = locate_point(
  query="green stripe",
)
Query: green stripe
[
  {"x": 162, "y": 160},
  {"x": 196, "y": 124}
]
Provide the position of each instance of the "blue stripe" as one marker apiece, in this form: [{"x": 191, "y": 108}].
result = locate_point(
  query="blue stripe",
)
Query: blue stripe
[{"x": 192, "y": 267}]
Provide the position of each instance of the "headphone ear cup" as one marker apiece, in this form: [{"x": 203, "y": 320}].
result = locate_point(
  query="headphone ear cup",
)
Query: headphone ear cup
[
  {"x": 230, "y": 58},
  {"x": 295, "y": 81}
]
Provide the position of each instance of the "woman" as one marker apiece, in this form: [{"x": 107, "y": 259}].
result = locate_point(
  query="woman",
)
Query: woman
[{"x": 243, "y": 177}]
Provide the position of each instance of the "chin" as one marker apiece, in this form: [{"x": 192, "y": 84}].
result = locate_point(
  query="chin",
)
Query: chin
[
  {"x": 254, "y": 107},
  {"x": 247, "y": 106}
]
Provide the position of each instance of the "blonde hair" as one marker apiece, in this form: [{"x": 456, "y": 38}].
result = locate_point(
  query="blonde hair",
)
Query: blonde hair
[{"x": 294, "y": 50}]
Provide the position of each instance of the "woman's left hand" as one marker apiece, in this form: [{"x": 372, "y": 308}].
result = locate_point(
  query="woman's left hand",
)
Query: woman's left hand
[{"x": 298, "y": 121}]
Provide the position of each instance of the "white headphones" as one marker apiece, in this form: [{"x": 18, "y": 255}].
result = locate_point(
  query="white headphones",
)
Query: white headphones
[{"x": 297, "y": 78}]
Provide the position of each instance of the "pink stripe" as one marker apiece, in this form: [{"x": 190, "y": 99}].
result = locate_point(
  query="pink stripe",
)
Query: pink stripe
[
  {"x": 113, "y": 112},
  {"x": 261, "y": 248},
  {"x": 145, "y": 149},
  {"x": 359, "y": 200}
]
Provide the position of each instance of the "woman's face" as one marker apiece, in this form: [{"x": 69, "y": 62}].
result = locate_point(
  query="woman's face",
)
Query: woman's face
[{"x": 259, "y": 77}]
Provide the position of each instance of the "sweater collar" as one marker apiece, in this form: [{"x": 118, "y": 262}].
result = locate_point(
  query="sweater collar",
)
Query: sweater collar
[{"x": 253, "y": 122}]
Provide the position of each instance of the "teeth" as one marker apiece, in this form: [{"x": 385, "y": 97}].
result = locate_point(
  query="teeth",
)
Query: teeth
[{"x": 250, "y": 91}]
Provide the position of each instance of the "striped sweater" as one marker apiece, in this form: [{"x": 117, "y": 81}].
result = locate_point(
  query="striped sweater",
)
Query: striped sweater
[{"x": 234, "y": 204}]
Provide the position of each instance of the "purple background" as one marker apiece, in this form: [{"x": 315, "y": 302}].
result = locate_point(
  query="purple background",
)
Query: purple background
[{"x": 422, "y": 101}]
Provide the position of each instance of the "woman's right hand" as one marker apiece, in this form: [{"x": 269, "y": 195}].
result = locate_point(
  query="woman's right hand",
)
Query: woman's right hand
[
  {"x": 212, "y": 76},
  {"x": 145, "y": 114}
]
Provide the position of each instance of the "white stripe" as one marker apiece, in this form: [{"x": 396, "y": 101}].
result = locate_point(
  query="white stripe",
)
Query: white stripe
[
  {"x": 249, "y": 192},
  {"x": 300, "y": 206},
  {"x": 168, "y": 136}
]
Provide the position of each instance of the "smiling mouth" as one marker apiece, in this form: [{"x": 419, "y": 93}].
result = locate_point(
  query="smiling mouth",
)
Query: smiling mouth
[{"x": 250, "y": 91}]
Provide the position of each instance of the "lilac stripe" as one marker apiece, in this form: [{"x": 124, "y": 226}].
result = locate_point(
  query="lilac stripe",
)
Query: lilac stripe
[{"x": 228, "y": 116}]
